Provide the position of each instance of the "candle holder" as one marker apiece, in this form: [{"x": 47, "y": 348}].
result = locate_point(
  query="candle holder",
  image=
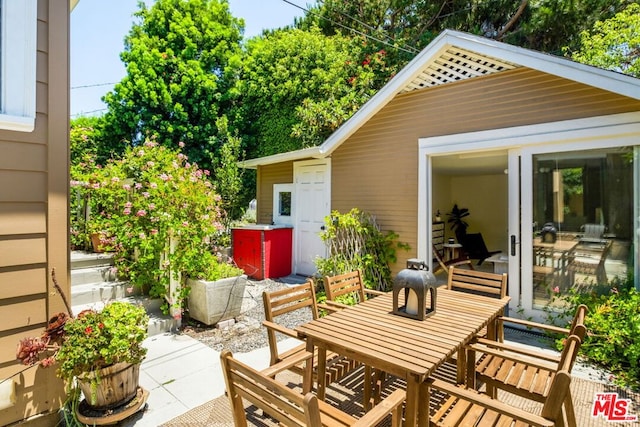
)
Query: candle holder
[{"x": 419, "y": 287}]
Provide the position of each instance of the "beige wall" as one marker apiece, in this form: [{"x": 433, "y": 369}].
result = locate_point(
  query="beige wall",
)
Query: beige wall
[
  {"x": 376, "y": 168},
  {"x": 34, "y": 219},
  {"x": 281, "y": 173}
]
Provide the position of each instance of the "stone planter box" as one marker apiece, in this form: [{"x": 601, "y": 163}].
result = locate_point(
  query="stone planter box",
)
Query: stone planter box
[{"x": 213, "y": 302}]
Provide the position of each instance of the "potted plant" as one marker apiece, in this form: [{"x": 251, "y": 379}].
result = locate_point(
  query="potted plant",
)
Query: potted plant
[
  {"x": 458, "y": 223},
  {"x": 102, "y": 351},
  {"x": 216, "y": 292}
]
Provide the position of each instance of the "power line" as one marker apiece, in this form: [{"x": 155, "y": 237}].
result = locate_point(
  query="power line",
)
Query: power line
[
  {"x": 88, "y": 112},
  {"x": 93, "y": 85},
  {"x": 407, "y": 50}
]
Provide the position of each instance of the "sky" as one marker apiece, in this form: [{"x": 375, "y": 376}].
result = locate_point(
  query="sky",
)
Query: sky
[{"x": 98, "y": 28}]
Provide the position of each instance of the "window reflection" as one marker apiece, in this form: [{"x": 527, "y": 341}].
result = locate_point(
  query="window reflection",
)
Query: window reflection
[{"x": 587, "y": 196}]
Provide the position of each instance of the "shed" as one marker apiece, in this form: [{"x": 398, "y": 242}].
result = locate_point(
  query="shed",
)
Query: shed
[{"x": 487, "y": 125}]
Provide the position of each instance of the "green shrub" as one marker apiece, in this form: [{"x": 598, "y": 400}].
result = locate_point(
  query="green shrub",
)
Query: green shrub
[
  {"x": 613, "y": 329},
  {"x": 355, "y": 242}
]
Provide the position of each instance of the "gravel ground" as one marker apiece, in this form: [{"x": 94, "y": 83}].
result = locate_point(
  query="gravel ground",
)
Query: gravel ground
[{"x": 247, "y": 333}]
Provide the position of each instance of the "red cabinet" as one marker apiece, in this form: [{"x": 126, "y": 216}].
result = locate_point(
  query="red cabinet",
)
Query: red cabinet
[{"x": 263, "y": 251}]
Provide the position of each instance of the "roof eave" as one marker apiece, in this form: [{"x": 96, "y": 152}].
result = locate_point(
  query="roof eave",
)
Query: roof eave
[{"x": 305, "y": 153}]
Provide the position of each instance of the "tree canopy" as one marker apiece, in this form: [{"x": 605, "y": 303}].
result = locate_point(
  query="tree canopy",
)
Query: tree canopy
[
  {"x": 177, "y": 59},
  {"x": 613, "y": 44}
]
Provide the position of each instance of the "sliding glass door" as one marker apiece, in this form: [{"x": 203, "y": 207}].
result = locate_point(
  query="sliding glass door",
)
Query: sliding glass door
[{"x": 578, "y": 222}]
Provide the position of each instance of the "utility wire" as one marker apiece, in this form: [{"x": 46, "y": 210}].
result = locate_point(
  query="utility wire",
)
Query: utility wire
[
  {"x": 93, "y": 85},
  {"x": 88, "y": 112},
  {"x": 370, "y": 27},
  {"x": 412, "y": 51}
]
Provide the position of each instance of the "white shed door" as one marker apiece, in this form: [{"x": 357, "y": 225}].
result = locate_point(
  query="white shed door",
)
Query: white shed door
[{"x": 312, "y": 181}]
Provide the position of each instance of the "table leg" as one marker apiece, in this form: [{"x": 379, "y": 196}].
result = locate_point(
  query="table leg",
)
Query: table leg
[
  {"x": 425, "y": 400},
  {"x": 322, "y": 372},
  {"x": 461, "y": 364},
  {"x": 307, "y": 378},
  {"x": 412, "y": 402}
]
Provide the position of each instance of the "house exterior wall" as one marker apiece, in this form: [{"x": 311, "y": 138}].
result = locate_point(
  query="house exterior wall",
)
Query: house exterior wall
[
  {"x": 280, "y": 173},
  {"x": 376, "y": 169},
  {"x": 34, "y": 221}
]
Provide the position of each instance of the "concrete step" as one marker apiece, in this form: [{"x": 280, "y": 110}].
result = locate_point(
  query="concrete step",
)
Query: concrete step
[
  {"x": 159, "y": 323},
  {"x": 99, "y": 292},
  {"x": 87, "y": 275},
  {"x": 80, "y": 260}
]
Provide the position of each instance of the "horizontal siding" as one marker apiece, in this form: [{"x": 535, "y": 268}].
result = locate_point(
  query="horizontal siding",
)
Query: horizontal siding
[
  {"x": 18, "y": 252},
  {"x": 20, "y": 314},
  {"x": 20, "y": 186},
  {"x": 281, "y": 173},
  {"x": 22, "y": 218},
  {"x": 376, "y": 168},
  {"x": 24, "y": 157},
  {"x": 19, "y": 283}
]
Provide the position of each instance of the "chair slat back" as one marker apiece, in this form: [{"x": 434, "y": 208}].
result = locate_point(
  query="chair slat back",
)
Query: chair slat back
[
  {"x": 345, "y": 284},
  {"x": 283, "y": 301},
  {"x": 478, "y": 282},
  {"x": 280, "y": 402}
]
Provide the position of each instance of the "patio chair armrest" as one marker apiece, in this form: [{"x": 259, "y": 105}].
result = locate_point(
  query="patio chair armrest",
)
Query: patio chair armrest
[
  {"x": 382, "y": 409},
  {"x": 483, "y": 400},
  {"x": 518, "y": 349},
  {"x": 287, "y": 363},
  {"x": 337, "y": 305},
  {"x": 529, "y": 324},
  {"x": 534, "y": 360},
  {"x": 374, "y": 292},
  {"x": 279, "y": 328},
  {"x": 330, "y": 308}
]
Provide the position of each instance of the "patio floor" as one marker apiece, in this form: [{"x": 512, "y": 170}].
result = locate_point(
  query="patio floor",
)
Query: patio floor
[{"x": 342, "y": 395}]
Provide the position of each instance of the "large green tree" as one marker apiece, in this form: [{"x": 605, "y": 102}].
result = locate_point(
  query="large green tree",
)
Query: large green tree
[
  {"x": 177, "y": 57},
  {"x": 296, "y": 87},
  {"x": 545, "y": 25},
  {"x": 613, "y": 44}
]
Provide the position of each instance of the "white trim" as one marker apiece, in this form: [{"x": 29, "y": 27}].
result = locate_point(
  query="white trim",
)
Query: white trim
[
  {"x": 18, "y": 61},
  {"x": 523, "y": 141},
  {"x": 281, "y": 157},
  {"x": 283, "y": 219},
  {"x": 578, "y": 130}
]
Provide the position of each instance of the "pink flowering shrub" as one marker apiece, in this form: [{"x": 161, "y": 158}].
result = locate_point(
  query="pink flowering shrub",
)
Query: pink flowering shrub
[{"x": 162, "y": 214}]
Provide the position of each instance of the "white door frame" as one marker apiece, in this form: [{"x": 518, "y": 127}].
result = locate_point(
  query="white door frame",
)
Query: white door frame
[
  {"x": 324, "y": 207},
  {"x": 522, "y": 142}
]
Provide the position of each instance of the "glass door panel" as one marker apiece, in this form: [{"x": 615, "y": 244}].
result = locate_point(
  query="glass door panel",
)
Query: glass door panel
[{"x": 583, "y": 221}]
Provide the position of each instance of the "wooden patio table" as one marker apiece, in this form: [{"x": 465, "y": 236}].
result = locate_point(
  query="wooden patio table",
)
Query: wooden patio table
[{"x": 411, "y": 349}]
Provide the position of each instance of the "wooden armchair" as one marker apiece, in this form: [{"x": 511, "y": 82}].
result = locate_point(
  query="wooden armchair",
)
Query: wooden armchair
[
  {"x": 289, "y": 407},
  {"x": 279, "y": 303},
  {"x": 443, "y": 265},
  {"x": 351, "y": 284},
  {"x": 468, "y": 407},
  {"x": 517, "y": 370},
  {"x": 474, "y": 245}
]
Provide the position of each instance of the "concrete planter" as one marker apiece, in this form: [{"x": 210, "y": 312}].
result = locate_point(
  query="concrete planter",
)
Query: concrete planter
[{"x": 213, "y": 302}]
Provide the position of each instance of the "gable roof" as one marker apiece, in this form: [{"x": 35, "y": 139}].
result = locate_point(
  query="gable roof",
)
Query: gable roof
[{"x": 455, "y": 56}]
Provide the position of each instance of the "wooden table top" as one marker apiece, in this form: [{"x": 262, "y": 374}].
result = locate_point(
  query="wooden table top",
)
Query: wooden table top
[
  {"x": 558, "y": 245},
  {"x": 369, "y": 332}
]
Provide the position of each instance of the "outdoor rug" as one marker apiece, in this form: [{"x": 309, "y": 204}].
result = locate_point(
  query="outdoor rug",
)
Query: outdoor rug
[{"x": 217, "y": 413}]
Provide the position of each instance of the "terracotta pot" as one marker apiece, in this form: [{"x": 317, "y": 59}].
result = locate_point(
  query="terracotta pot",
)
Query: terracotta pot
[
  {"x": 96, "y": 242},
  {"x": 116, "y": 385}
]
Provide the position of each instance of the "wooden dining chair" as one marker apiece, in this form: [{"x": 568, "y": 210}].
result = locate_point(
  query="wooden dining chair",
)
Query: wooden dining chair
[
  {"x": 464, "y": 406},
  {"x": 281, "y": 302},
  {"x": 443, "y": 265},
  {"x": 291, "y": 408},
  {"x": 351, "y": 285},
  {"x": 348, "y": 284},
  {"x": 521, "y": 371}
]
